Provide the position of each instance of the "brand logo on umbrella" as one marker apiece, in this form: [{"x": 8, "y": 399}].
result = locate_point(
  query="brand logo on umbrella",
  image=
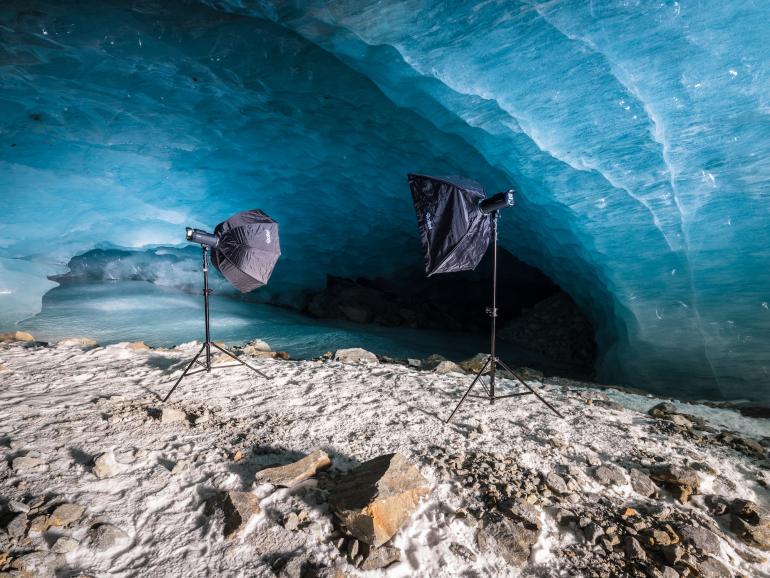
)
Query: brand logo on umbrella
[
  {"x": 429, "y": 221},
  {"x": 267, "y": 236}
]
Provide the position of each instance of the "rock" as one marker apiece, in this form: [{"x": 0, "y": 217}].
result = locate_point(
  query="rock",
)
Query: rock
[
  {"x": 22, "y": 463},
  {"x": 633, "y": 549},
  {"x": 291, "y": 522},
  {"x": 679, "y": 420},
  {"x": 355, "y": 355},
  {"x": 475, "y": 363},
  {"x": 445, "y": 367},
  {"x": 37, "y": 564},
  {"x": 462, "y": 552},
  {"x": 642, "y": 484},
  {"x": 556, "y": 483},
  {"x": 238, "y": 509},
  {"x": 432, "y": 361},
  {"x": 16, "y": 336},
  {"x": 17, "y": 527},
  {"x": 702, "y": 539},
  {"x": 105, "y": 466},
  {"x": 64, "y": 545},
  {"x": 759, "y": 411},
  {"x": 510, "y": 539},
  {"x": 77, "y": 342},
  {"x": 381, "y": 557},
  {"x": 103, "y": 537},
  {"x": 713, "y": 568},
  {"x": 681, "y": 481},
  {"x": 138, "y": 346},
  {"x": 609, "y": 476},
  {"x": 669, "y": 572},
  {"x": 375, "y": 499},
  {"x": 750, "y": 523},
  {"x": 256, "y": 346},
  {"x": 65, "y": 515},
  {"x": 592, "y": 532},
  {"x": 662, "y": 409},
  {"x": 172, "y": 415},
  {"x": 292, "y": 474},
  {"x": 18, "y": 507},
  {"x": 672, "y": 553},
  {"x": 4, "y": 368}
]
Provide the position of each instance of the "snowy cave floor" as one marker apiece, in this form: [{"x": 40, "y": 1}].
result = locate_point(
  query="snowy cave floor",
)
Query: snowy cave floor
[{"x": 62, "y": 406}]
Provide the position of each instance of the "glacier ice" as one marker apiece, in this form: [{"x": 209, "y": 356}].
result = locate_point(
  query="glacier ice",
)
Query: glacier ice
[{"x": 638, "y": 135}]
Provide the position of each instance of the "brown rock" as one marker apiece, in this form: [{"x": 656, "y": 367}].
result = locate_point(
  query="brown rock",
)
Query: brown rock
[
  {"x": 682, "y": 481},
  {"x": 238, "y": 507},
  {"x": 65, "y": 515},
  {"x": 137, "y": 346},
  {"x": 375, "y": 499},
  {"x": 292, "y": 474},
  {"x": 16, "y": 336},
  {"x": 475, "y": 363}
]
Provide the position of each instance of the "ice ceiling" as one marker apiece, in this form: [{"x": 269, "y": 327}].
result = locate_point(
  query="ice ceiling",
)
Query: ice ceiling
[{"x": 637, "y": 134}]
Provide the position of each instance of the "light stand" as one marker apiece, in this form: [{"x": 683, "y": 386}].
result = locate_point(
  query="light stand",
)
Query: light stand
[
  {"x": 492, "y": 360},
  {"x": 207, "y": 367}
]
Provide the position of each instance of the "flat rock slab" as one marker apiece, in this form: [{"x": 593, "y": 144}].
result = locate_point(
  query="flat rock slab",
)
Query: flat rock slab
[
  {"x": 510, "y": 537},
  {"x": 238, "y": 508},
  {"x": 376, "y": 498},
  {"x": 103, "y": 537},
  {"x": 65, "y": 515},
  {"x": 292, "y": 474}
]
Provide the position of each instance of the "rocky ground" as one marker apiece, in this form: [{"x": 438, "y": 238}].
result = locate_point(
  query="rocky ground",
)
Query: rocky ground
[{"x": 343, "y": 466}]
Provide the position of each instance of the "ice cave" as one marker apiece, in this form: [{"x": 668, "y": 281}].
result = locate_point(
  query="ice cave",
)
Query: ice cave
[{"x": 637, "y": 136}]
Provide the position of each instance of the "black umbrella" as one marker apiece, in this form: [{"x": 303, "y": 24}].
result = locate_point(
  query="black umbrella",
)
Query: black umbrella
[
  {"x": 248, "y": 249},
  {"x": 453, "y": 231},
  {"x": 244, "y": 248}
]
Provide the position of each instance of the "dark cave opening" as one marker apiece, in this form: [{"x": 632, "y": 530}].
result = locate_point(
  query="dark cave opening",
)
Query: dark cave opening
[{"x": 534, "y": 314}]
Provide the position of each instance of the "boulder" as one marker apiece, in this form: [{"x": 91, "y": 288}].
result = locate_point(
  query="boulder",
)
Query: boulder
[
  {"x": 37, "y": 564},
  {"x": 17, "y": 527},
  {"x": 642, "y": 484},
  {"x": 510, "y": 537},
  {"x": 750, "y": 523},
  {"x": 446, "y": 366},
  {"x": 556, "y": 483},
  {"x": 609, "y": 476},
  {"x": 64, "y": 545},
  {"x": 700, "y": 538},
  {"x": 292, "y": 474},
  {"x": 682, "y": 481},
  {"x": 662, "y": 409},
  {"x": 106, "y": 466},
  {"x": 256, "y": 346},
  {"x": 382, "y": 557},
  {"x": 377, "y": 497},
  {"x": 238, "y": 509},
  {"x": 65, "y": 515},
  {"x": 16, "y": 336},
  {"x": 77, "y": 342},
  {"x": 138, "y": 346},
  {"x": 103, "y": 537},
  {"x": 475, "y": 363},
  {"x": 432, "y": 361},
  {"x": 355, "y": 355}
]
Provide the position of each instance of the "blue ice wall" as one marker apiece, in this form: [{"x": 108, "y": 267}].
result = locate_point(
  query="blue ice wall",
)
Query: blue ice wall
[{"x": 638, "y": 134}]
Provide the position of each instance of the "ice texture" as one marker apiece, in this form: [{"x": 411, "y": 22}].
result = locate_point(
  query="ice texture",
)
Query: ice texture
[{"x": 638, "y": 136}]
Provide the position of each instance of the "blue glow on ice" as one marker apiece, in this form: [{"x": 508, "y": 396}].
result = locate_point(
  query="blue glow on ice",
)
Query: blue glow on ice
[{"x": 639, "y": 136}]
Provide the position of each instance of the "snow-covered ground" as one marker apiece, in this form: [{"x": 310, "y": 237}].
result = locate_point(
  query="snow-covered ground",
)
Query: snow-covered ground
[{"x": 66, "y": 405}]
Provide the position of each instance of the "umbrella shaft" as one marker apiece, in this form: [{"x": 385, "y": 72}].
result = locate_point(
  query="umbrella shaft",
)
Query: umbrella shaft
[{"x": 493, "y": 309}]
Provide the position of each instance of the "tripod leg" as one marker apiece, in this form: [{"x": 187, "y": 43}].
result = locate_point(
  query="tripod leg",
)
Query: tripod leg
[
  {"x": 525, "y": 384},
  {"x": 194, "y": 359},
  {"x": 252, "y": 368},
  {"x": 478, "y": 377}
]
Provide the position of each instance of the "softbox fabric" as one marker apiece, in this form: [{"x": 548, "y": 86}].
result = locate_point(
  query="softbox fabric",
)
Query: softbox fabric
[
  {"x": 248, "y": 249},
  {"x": 453, "y": 231}
]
